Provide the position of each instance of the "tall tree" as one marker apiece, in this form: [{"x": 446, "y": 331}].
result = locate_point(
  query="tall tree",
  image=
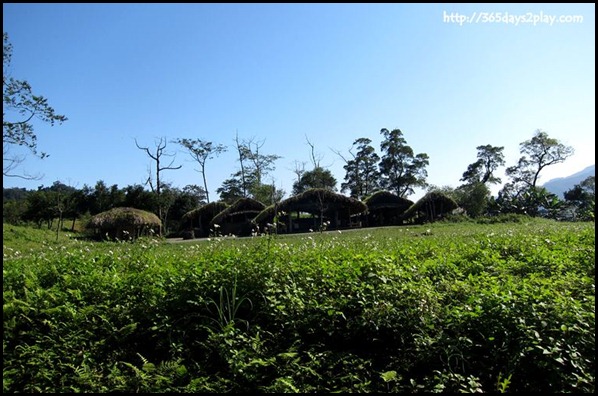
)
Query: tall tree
[
  {"x": 474, "y": 196},
  {"x": 361, "y": 177},
  {"x": 21, "y": 106},
  {"x": 521, "y": 194},
  {"x": 401, "y": 171},
  {"x": 538, "y": 153},
  {"x": 156, "y": 156},
  {"x": 243, "y": 152},
  {"x": 490, "y": 158},
  {"x": 201, "y": 151}
]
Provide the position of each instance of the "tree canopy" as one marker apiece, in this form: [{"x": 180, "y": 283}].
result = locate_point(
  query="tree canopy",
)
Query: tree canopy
[
  {"x": 201, "y": 151},
  {"x": 361, "y": 177},
  {"x": 20, "y": 107},
  {"x": 401, "y": 170},
  {"x": 490, "y": 158},
  {"x": 538, "y": 153},
  {"x": 316, "y": 178}
]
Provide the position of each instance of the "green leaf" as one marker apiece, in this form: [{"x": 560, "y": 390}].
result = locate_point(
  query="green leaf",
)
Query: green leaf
[{"x": 389, "y": 376}]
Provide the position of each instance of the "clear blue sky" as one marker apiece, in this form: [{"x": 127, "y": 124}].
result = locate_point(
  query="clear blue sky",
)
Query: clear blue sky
[{"x": 283, "y": 72}]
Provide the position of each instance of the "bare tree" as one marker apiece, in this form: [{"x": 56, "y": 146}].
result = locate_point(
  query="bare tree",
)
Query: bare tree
[
  {"x": 315, "y": 158},
  {"x": 156, "y": 156},
  {"x": 299, "y": 169},
  {"x": 243, "y": 152},
  {"x": 261, "y": 163},
  {"x": 254, "y": 167}
]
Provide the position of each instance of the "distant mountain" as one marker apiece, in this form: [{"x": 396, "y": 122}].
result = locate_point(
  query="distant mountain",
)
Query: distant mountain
[{"x": 561, "y": 185}]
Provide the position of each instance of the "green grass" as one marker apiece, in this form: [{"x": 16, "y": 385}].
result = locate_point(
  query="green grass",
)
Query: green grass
[{"x": 451, "y": 307}]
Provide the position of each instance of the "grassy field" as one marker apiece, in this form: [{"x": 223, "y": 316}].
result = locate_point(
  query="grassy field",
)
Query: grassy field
[{"x": 444, "y": 307}]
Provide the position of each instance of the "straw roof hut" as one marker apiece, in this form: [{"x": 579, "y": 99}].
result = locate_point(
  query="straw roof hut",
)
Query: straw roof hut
[
  {"x": 385, "y": 208},
  {"x": 432, "y": 206},
  {"x": 237, "y": 218},
  {"x": 324, "y": 205},
  {"x": 125, "y": 223},
  {"x": 199, "y": 219},
  {"x": 265, "y": 219}
]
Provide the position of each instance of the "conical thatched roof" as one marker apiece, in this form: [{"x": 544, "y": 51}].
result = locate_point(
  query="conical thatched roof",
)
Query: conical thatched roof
[
  {"x": 386, "y": 199},
  {"x": 207, "y": 211},
  {"x": 248, "y": 206},
  {"x": 432, "y": 205},
  {"x": 119, "y": 217},
  {"x": 312, "y": 200}
]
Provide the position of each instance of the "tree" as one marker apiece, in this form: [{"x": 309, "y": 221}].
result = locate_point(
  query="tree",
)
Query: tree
[
  {"x": 197, "y": 195},
  {"x": 189, "y": 198},
  {"x": 104, "y": 198},
  {"x": 582, "y": 199},
  {"x": 40, "y": 207},
  {"x": 267, "y": 194},
  {"x": 231, "y": 189},
  {"x": 299, "y": 169},
  {"x": 474, "y": 198},
  {"x": 539, "y": 152},
  {"x": 64, "y": 203},
  {"x": 400, "y": 169},
  {"x": 529, "y": 200},
  {"x": 201, "y": 151},
  {"x": 254, "y": 167},
  {"x": 361, "y": 178},
  {"x": 315, "y": 158},
  {"x": 260, "y": 164},
  {"x": 316, "y": 178},
  {"x": 14, "y": 204},
  {"x": 166, "y": 200},
  {"x": 157, "y": 157},
  {"x": 489, "y": 159},
  {"x": 243, "y": 152},
  {"x": 521, "y": 194},
  {"x": 136, "y": 196},
  {"x": 22, "y": 107}
]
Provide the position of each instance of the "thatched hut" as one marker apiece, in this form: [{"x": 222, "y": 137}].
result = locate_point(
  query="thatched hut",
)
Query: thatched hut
[
  {"x": 264, "y": 220},
  {"x": 324, "y": 206},
  {"x": 198, "y": 220},
  {"x": 385, "y": 208},
  {"x": 125, "y": 223},
  {"x": 431, "y": 207},
  {"x": 237, "y": 218}
]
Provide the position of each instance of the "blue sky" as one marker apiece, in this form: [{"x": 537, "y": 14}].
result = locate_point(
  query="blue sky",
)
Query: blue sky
[{"x": 284, "y": 73}]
